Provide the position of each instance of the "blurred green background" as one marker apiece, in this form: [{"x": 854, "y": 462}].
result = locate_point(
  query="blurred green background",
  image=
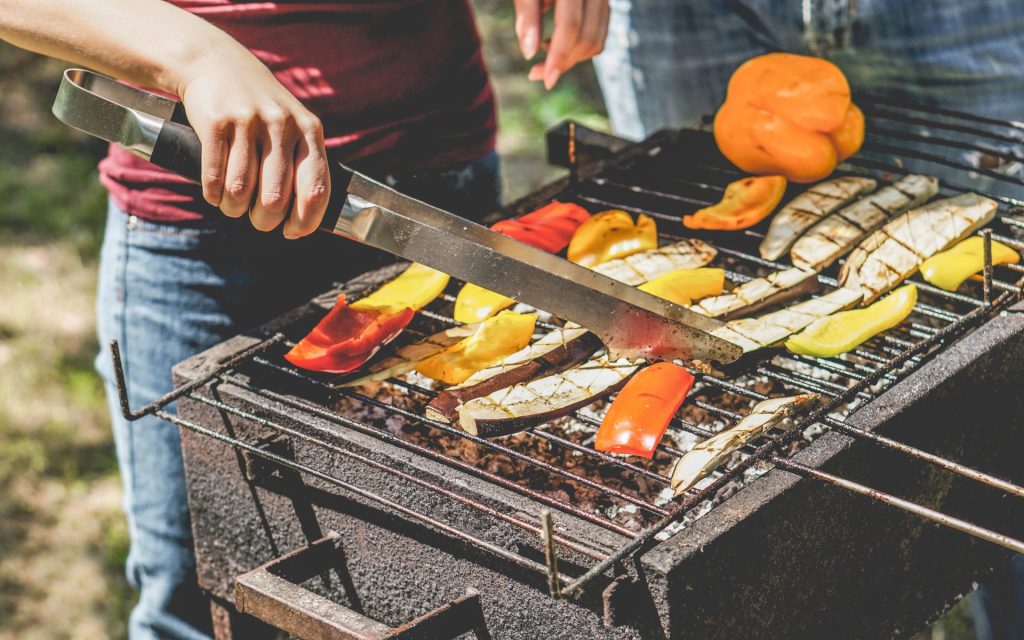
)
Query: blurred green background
[{"x": 63, "y": 539}]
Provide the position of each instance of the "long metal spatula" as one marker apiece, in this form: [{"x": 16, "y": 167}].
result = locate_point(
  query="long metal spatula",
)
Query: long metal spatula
[{"x": 630, "y": 322}]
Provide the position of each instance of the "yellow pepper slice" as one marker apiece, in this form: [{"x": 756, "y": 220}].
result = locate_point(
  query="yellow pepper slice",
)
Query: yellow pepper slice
[
  {"x": 476, "y": 304},
  {"x": 949, "y": 269},
  {"x": 609, "y": 235},
  {"x": 846, "y": 330},
  {"x": 686, "y": 285},
  {"x": 414, "y": 288},
  {"x": 495, "y": 338}
]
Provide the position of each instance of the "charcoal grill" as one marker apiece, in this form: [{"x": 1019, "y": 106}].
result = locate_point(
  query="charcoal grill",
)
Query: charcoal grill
[{"x": 340, "y": 512}]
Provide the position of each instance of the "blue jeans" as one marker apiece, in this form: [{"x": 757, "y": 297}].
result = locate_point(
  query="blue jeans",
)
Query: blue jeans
[
  {"x": 667, "y": 64},
  {"x": 167, "y": 292}
]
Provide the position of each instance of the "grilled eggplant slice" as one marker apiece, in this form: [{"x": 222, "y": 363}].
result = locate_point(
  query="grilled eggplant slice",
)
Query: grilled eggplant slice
[
  {"x": 647, "y": 265},
  {"x": 548, "y": 361},
  {"x": 833, "y": 237},
  {"x": 523, "y": 405},
  {"x": 770, "y": 329},
  {"x": 895, "y": 251},
  {"x": 572, "y": 344},
  {"x": 808, "y": 208},
  {"x": 700, "y": 461},
  {"x": 752, "y": 296}
]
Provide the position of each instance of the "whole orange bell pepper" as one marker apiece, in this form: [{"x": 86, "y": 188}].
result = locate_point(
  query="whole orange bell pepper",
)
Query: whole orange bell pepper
[
  {"x": 637, "y": 419},
  {"x": 790, "y": 115}
]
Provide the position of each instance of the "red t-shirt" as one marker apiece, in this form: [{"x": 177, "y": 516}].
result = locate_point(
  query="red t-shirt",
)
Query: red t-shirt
[{"x": 400, "y": 85}]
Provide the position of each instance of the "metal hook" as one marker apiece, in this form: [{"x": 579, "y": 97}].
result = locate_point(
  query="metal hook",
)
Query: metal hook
[
  {"x": 169, "y": 397},
  {"x": 547, "y": 529},
  {"x": 986, "y": 236}
]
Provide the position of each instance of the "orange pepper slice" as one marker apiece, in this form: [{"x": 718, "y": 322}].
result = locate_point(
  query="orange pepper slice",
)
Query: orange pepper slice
[
  {"x": 745, "y": 203},
  {"x": 637, "y": 419}
]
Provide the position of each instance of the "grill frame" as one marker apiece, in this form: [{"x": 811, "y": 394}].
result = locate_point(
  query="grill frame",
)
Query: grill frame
[
  {"x": 778, "y": 505},
  {"x": 663, "y": 560}
]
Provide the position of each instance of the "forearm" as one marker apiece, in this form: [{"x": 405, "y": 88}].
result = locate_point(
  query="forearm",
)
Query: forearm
[{"x": 148, "y": 42}]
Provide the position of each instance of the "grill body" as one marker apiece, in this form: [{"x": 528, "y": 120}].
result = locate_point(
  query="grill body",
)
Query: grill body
[{"x": 784, "y": 557}]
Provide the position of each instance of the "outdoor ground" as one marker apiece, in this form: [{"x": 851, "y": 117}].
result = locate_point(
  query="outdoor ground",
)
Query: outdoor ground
[{"x": 63, "y": 539}]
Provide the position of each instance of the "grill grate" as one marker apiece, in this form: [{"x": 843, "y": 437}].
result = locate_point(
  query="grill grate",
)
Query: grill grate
[{"x": 665, "y": 176}]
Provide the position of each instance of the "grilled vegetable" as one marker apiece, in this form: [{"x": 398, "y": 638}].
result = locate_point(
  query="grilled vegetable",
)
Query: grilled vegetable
[
  {"x": 476, "y": 304},
  {"x": 847, "y": 330},
  {"x": 833, "y": 237},
  {"x": 949, "y": 269},
  {"x": 610, "y": 235},
  {"x": 407, "y": 357},
  {"x": 745, "y": 203},
  {"x": 638, "y": 417},
  {"x": 495, "y": 338},
  {"x": 706, "y": 456},
  {"x": 764, "y": 331},
  {"x": 788, "y": 115},
  {"x": 753, "y": 295},
  {"x": 346, "y": 338},
  {"x": 809, "y": 207},
  {"x": 686, "y": 285},
  {"x": 517, "y": 407},
  {"x": 549, "y": 228},
  {"x": 647, "y": 265},
  {"x": 896, "y": 250},
  {"x": 415, "y": 288},
  {"x": 572, "y": 344},
  {"x": 554, "y": 352}
]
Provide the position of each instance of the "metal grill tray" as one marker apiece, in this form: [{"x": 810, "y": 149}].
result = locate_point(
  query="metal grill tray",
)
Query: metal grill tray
[
  {"x": 806, "y": 557},
  {"x": 785, "y": 555}
]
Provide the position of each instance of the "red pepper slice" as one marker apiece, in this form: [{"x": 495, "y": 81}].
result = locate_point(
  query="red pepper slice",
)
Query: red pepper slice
[
  {"x": 549, "y": 228},
  {"x": 346, "y": 338},
  {"x": 638, "y": 417}
]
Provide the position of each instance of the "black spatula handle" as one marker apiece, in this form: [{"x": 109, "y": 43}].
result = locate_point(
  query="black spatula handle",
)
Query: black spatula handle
[{"x": 178, "y": 150}]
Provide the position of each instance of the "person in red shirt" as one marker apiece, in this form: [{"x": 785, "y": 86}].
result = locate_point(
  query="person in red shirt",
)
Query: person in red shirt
[{"x": 395, "y": 88}]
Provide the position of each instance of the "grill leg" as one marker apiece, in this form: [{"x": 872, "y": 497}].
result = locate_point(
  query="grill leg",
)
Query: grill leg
[{"x": 229, "y": 624}]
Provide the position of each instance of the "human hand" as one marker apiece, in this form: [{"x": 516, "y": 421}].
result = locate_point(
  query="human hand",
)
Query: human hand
[
  {"x": 263, "y": 151},
  {"x": 579, "y": 32}
]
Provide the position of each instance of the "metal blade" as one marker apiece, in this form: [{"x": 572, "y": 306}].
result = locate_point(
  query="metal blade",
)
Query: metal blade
[
  {"x": 630, "y": 322},
  {"x": 107, "y": 109}
]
